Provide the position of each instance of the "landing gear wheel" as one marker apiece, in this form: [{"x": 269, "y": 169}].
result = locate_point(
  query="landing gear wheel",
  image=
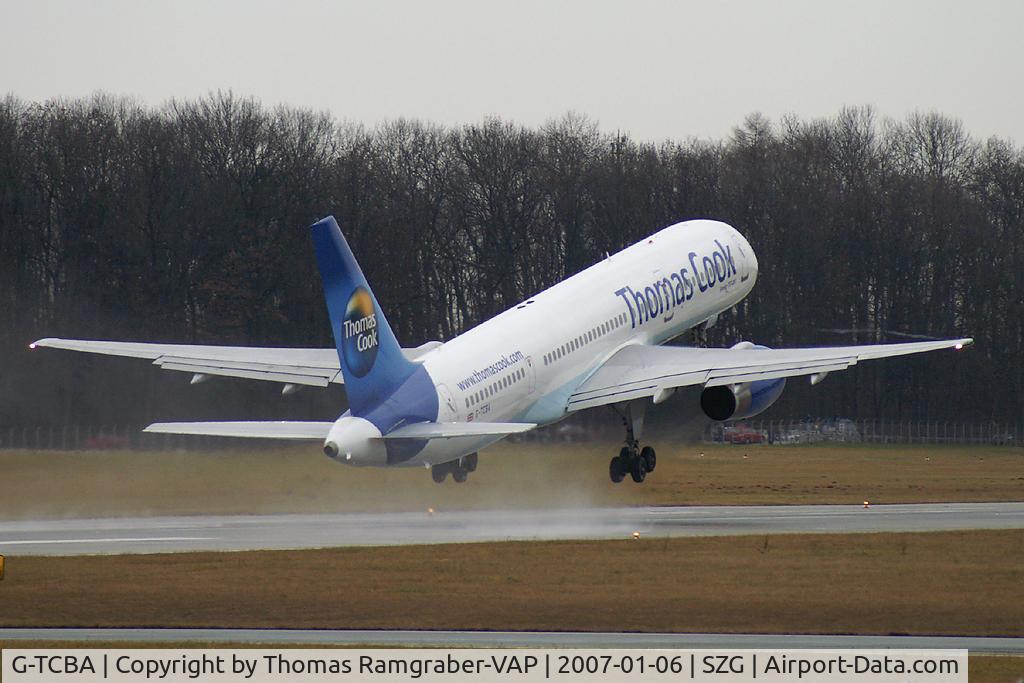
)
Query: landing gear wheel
[
  {"x": 617, "y": 470},
  {"x": 459, "y": 474},
  {"x": 639, "y": 470},
  {"x": 469, "y": 462},
  {"x": 438, "y": 473},
  {"x": 649, "y": 457}
]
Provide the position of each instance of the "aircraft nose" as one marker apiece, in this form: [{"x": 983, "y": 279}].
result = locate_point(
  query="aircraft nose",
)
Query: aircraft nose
[{"x": 749, "y": 257}]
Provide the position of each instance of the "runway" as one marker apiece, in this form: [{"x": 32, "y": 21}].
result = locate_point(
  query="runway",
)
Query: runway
[
  {"x": 537, "y": 639},
  {"x": 265, "y": 532}
]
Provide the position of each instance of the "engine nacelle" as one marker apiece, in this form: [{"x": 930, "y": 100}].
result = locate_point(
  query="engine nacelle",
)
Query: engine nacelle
[{"x": 740, "y": 401}]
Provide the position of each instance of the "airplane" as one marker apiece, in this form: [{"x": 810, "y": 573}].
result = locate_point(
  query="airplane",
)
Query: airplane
[{"x": 594, "y": 339}]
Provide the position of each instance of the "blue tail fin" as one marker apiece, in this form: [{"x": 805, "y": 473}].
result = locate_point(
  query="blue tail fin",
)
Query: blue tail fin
[{"x": 372, "y": 362}]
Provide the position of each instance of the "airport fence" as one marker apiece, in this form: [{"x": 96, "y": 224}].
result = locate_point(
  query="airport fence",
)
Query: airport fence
[
  {"x": 110, "y": 437},
  {"x": 817, "y": 430},
  {"x": 809, "y": 430}
]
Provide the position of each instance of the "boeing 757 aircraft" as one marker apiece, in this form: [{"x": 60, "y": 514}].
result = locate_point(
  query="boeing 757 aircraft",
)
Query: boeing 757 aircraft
[{"x": 592, "y": 340}]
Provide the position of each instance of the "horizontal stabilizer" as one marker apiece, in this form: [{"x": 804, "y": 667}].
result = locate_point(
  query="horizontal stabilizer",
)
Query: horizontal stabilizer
[
  {"x": 452, "y": 430},
  {"x": 296, "y": 431}
]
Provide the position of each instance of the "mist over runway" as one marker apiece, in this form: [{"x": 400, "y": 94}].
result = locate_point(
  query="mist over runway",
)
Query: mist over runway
[{"x": 134, "y": 535}]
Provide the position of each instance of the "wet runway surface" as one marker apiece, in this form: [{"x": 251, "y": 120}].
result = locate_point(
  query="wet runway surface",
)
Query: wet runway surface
[
  {"x": 536, "y": 639},
  {"x": 265, "y": 532}
]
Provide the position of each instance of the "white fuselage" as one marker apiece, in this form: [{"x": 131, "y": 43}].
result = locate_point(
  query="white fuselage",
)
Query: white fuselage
[{"x": 523, "y": 364}]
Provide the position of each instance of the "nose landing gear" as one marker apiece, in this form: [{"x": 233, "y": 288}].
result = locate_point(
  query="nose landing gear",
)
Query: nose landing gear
[{"x": 632, "y": 460}]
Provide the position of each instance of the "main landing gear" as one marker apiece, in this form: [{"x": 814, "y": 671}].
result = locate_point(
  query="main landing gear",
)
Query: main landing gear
[
  {"x": 632, "y": 460},
  {"x": 459, "y": 469}
]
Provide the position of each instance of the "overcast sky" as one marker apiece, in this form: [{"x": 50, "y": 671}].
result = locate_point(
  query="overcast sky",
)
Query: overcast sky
[{"x": 653, "y": 69}]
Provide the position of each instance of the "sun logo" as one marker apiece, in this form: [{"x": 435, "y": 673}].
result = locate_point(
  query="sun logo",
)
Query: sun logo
[{"x": 360, "y": 333}]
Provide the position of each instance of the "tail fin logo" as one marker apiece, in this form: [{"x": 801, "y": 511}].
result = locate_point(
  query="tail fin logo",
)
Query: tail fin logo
[{"x": 359, "y": 330}]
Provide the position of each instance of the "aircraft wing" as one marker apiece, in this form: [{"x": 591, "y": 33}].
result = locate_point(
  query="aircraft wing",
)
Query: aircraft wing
[
  {"x": 296, "y": 431},
  {"x": 310, "y": 367},
  {"x": 643, "y": 371}
]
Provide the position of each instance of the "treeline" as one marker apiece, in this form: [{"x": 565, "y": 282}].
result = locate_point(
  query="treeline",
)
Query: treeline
[{"x": 187, "y": 223}]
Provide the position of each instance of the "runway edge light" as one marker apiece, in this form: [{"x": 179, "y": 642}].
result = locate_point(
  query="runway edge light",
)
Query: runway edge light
[{"x": 1, "y": 567}]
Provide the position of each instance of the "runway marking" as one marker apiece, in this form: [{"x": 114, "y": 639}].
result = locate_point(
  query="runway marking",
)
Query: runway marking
[{"x": 154, "y": 539}]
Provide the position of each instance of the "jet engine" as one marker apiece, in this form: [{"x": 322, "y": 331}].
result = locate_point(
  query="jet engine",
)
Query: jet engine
[{"x": 740, "y": 401}]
